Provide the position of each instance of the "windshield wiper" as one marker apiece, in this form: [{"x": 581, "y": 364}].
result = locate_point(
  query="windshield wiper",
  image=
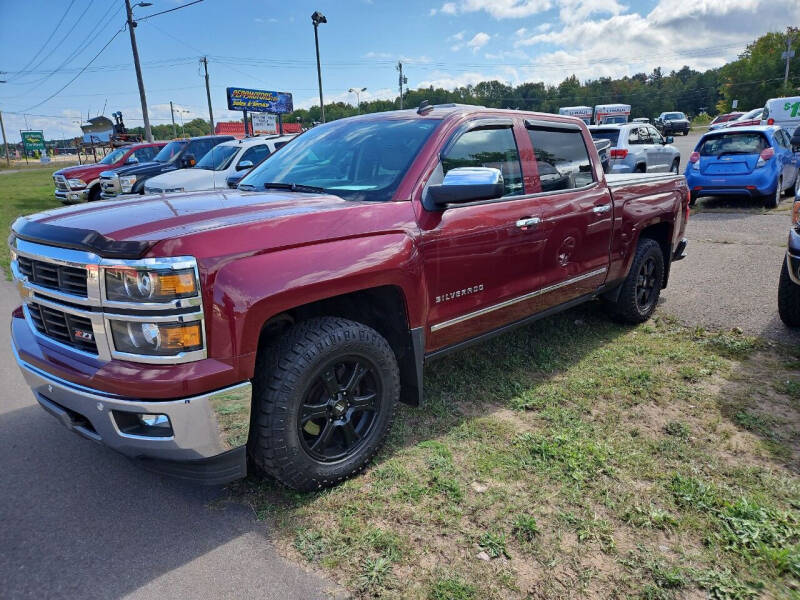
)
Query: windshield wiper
[{"x": 294, "y": 187}]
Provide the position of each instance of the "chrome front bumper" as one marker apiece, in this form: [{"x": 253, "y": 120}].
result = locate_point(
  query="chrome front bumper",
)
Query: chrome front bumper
[
  {"x": 72, "y": 196},
  {"x": 208, "y": 431}
]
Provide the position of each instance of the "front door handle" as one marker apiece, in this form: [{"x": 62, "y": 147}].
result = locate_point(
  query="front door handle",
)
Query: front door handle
[
  {"x": 602, "y": 209},
  {"x": 528, "y": 222}
]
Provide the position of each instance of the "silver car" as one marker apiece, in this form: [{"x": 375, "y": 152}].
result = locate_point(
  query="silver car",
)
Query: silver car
[{"x": 638, "y": 148}]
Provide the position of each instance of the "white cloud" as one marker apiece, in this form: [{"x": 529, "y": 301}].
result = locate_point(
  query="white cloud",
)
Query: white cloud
[
  {"x": 457, "y": 36},
  {"x": 520, "y": 32},
  {"x": 479, "y": 41},
  {"x": 349, "y": 98},
  {"x": 703, "y": 34},
  {"x": 499, "y": 9},
  {"x": 432, "y": 12},
  {"x": 572, "y": 11}
]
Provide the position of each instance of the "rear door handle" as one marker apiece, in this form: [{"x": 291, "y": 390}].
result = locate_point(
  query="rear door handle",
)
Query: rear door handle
[
  {"x": 602, "y": 209},
  {"x": 528, "y": 222}
]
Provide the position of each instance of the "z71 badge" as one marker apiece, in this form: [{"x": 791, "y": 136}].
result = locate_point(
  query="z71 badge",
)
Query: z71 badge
[{"x": 458, "y": 293}]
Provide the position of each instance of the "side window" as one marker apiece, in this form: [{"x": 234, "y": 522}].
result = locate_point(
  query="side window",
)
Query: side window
[
  {"x": 256, "y": 154},
  {"x": 143, "y": 154},
  {"x": 634, "y": 138},
  {"x": 562, "y": 158},
  {"x": 655, "y": 137},
  {"x": 488, "y": 148},
  {"x": 200, "y": 148},
  {"x": 646, "y": 135}
]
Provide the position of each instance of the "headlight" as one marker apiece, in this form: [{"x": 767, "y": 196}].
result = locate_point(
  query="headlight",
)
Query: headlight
[
  {"x": 76, "y": 184},
  {"x": 126, "y": 182},
  {"x": 156, "y": 339},
  {"x": 137, "y": 285}
]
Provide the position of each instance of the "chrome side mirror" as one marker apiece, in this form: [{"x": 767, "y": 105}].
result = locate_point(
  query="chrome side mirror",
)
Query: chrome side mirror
[{"x": 468, "y": 184}]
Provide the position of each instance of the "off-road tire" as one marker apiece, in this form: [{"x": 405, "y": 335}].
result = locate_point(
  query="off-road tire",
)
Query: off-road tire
[
  {"x": 627, "y": 307},
  {"x": 285, "y": 371},
  {"x": 788, "y": 299},
  {"x": 774, "y": 199}
]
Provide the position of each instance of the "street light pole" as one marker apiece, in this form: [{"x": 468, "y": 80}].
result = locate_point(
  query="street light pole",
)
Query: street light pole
[
  {"x": 316, "y": 19},
  {"x": 172, "y": 114},
  {"x": 788, "y": 55},
  {"x": 131, "y": 26},
  {"x": 357, "y": 92}
]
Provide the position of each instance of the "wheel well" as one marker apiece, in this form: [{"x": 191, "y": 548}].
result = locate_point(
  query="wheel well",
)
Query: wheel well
[
  {"x": 661, "y": 233},
  {"x": 382, "y": 308},
  {"x": 640, "y": 167}
]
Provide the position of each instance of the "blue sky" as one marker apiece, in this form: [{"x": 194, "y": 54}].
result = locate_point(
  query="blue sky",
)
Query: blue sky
[{"x": 270, "y": 45}]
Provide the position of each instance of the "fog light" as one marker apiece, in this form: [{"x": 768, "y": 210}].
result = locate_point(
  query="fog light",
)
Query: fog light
[
  {"x": 143, "y": 424},
  {"x": 155, "y": 421}
]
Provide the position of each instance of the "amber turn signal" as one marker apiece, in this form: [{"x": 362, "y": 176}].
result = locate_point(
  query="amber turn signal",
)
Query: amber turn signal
[{"x": 181, "y": 338}]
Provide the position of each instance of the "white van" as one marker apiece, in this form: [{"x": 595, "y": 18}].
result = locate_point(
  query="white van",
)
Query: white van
[
  {"x": 582, "y": 112},
  {"x": 784, "y": 112},
  {"x": 605, "y": 114}
]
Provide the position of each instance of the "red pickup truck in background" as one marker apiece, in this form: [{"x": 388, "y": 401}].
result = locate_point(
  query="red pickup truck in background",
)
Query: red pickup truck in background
[
  {"x": 82, "y": 182},
  {"x": 285, "y": 319}
]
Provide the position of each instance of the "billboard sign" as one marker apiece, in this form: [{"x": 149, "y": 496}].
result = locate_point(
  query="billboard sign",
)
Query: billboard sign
[
  {"x": 32, "y": 140},
  {"x": 264, "y": 123},
  {"x": 259, "y": 101}
]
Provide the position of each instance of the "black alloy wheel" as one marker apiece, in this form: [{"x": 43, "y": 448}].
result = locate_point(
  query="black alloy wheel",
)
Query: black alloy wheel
[
  {"x": 646, "y": 284},
  {"x": 339, "y": 409}
]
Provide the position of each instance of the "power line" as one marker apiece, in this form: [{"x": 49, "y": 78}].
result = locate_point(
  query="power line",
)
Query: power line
[
  {"x": 53, "y": 95},
  {"x": 49, "y": 38},
  {"x": 168, "y": 11}
]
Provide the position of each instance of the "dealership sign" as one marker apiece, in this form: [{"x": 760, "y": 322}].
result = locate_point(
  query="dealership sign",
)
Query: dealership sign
[
  {"x": 264, "y": 123},
  {"x": 32, "y": 140},
  {"x": 259, "y": 101}
]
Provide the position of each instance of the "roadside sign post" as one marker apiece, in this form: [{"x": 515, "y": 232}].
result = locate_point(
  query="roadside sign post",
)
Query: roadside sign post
[
  {"x": 5, "y": 143},
  {"x": 276, "y": 103},
  {"x": 31, "y": 141}
]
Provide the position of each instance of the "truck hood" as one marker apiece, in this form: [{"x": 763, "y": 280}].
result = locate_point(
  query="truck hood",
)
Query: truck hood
[
  {"x": 191, "y": 180},
  {"x": 156, "y": 218},
  {"x": 142, "y": 168},
  {"x": 81, "y": 171}
]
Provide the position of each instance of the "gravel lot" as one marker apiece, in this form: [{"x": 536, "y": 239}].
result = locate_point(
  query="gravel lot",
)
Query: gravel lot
[{"x": 730, "y": 277}]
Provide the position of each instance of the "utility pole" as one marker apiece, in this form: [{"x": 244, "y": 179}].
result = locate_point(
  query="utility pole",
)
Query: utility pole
[
  {"x": 317, "y": 19},
  {"x": 5, "y": 143},
  {"x": 131, "y": 26},
  {"x": 401, "y": 80},
  {"x": 204, "y": 60},
  {"x": 788, "y": 55},
  {"x": 172, "y": 113}
]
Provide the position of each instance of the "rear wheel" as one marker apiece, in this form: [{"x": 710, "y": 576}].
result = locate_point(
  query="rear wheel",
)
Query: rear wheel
[
  {"x": 788, "y": 299},
  {"x": 773, "y": 200},
  {"x": 640, "y": 169},
  {"x": 324, "y": 399},
  {"x": 692, "y": 198},
  {"x": 642, "y": 287},
  {"x": 676, "y": 165}
]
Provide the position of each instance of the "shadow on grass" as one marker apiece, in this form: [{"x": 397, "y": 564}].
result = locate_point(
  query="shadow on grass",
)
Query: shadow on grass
[{"x": 472, "y": 383}]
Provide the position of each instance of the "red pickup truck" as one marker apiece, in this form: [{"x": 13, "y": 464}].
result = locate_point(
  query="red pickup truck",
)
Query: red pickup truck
[
  {"x": 81, "y": 183},
  {"x": 285, "y": 319}
]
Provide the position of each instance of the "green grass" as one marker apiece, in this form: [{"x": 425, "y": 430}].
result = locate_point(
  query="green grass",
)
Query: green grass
[
  {"x": 24, "y": 193},
  {"x": 580, "y": 459}
]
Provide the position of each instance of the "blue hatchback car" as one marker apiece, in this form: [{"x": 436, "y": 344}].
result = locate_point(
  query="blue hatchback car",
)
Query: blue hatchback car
[{"x": 755, "y": 161}]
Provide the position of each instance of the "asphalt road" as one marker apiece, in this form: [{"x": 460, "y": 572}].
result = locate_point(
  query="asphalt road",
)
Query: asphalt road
[{"x": 80, "y": 521}]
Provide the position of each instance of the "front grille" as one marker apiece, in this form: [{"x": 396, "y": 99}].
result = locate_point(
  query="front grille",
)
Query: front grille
[
  {"x": 61, "y": 183},
  {"x": 70, "y": 280},
  {"x": 109, "y": 185},
  {"x": 63, "y": 327}
]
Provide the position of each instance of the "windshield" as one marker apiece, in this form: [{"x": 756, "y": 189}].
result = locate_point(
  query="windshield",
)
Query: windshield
[
  {"x": 734, "y": 143},
  {"x": 612, "y": 135},
  {"x": 114, "y": 156},
  {"x": 169, "y": 151},
  {"x": 218, "y": 158},
  {"x": 354, "y": 159},
  {"x": 751, "y": 115},
  {"x": 674, "y": 116}
]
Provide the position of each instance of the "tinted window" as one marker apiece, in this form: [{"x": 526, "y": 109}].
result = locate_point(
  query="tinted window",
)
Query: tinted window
[
  {"x": 354, "y": 159},
  {"x": 562, "y": 158},
  {"x": 143, "y": 154},
  {"x": 169, "y": 151},
  {"x": 256, "y": 154},
  {"x": 494, "y": 148},
  {"x": 217, "y": 159},
  {"x": 612, "y": 135},
  {"x": 733, "y": 143},
  {"x": 199, "y": 148}
]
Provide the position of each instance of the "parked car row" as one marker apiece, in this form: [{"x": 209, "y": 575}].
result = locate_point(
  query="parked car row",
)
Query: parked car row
[
  {"x": 638, "y": 148},
  {"x": 192, "y": 164}
]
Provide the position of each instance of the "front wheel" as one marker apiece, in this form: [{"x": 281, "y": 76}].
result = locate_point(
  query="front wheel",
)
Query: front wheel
[
  {"x": 641, "y": 289},
  {"x": 788, "y": 299},
  {"x": 324, "y": 399}
]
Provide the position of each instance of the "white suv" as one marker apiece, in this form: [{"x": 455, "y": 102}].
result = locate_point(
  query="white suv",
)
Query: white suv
[
  {"x": 222, "y": 161},
  {"x": 638, "y": 148}
]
